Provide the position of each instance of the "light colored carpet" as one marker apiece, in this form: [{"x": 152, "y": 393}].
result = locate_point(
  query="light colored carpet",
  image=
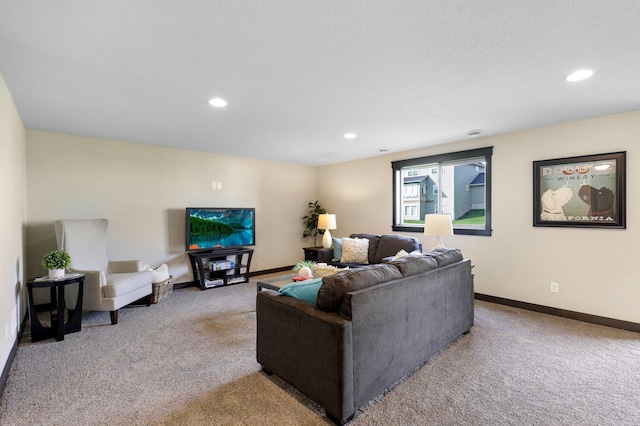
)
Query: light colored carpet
[{"x": 190, "y": 360}]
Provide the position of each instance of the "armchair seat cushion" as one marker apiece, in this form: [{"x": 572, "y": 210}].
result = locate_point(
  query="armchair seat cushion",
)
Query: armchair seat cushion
[{"x": 124, "y": 283}]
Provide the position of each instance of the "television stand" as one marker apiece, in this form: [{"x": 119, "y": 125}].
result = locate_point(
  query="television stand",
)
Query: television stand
[{"x": 220, "y": 266}]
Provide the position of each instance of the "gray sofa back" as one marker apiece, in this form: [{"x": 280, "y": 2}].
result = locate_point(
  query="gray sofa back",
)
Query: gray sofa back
[
  {"x": 365, "y": 334},
  {"x": 397, "y": 326}
]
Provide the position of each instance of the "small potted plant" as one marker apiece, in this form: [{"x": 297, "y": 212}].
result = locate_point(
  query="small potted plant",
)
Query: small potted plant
[{"x": 56, "y": 261}]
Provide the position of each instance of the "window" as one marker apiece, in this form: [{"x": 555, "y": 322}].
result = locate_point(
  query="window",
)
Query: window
[
  {"x": 411, "y": 211},
  {"x": 461, "y": 189}
]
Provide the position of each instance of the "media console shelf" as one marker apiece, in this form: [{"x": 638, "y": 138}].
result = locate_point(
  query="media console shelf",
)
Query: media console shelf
[{"x": 220, "y": 267}]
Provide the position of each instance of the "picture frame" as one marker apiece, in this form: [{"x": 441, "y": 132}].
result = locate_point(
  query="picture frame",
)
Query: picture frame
[{"x": 587, "y": 191}]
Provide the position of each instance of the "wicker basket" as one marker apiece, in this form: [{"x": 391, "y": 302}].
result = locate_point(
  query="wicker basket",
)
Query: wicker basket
[{"x": 162, "y": 290}]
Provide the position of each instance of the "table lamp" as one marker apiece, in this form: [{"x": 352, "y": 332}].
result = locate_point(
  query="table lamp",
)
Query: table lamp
[
  {"x": 326, "y": 222},
  {"x": 437, "y": 225}
]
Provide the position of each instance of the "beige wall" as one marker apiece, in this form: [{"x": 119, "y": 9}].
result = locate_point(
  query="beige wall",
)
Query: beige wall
[
  {"x": 13, "y": 218},
  {"x": 595, "y": 268},
  {"x": 144, "y": 190}
]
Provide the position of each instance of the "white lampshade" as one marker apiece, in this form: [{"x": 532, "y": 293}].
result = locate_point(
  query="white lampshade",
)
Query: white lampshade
[
  {"x": 438, "y": 225},
  {"x": 326, "y": 222}
]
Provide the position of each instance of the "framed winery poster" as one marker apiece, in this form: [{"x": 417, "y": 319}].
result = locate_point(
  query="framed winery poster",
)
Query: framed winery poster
[{"x": 585, "y": 191}]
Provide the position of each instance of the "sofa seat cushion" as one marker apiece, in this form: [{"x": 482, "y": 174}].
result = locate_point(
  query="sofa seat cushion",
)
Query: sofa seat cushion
[
  {"x": 391, "y": 244},
  {"x": 414, "y": 264},
  {"x": 446, "y": 256},
  {"x": 120, "y": 284},
  {"x": 334, "y": 287}
]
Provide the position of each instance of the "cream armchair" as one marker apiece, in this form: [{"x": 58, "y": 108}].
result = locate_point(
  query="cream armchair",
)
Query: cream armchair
[{"x": 108, "y": 285}]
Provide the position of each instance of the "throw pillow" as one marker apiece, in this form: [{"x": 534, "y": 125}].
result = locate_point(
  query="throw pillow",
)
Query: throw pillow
[
  {"x": 323, "y": 270},
  {"x": 401, "y": 253},
  {"x": 355, "y": 250},
  {"x": 160, "y": 274},
  {"x": 337, "y": 249},
  {"x": 306, "y": 291}
]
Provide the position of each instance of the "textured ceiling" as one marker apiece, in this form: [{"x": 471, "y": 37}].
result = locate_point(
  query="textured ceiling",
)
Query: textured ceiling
[{"x": 298, "y": 75}]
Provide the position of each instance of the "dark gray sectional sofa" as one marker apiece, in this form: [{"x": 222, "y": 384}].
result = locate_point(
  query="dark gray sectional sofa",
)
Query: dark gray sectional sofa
[{"x": 370, "y": 327}]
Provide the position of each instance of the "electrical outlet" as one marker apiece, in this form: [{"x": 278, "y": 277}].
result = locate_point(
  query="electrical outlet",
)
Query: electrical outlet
[
  {"x": 14, "y": 322},
  {"x": 553, "y": 287}
]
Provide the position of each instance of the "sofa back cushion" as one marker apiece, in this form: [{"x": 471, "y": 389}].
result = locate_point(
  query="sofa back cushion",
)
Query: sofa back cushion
[
  {"x": 373, "y": 244},
  {"x": 391, "y": 244},
  {"x": 415, "y": 264},
  {"x": 334, "y": 287},
  {"x": 446, "y": 256}
]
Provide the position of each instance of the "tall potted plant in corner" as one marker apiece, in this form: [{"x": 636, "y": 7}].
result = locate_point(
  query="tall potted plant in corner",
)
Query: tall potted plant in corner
[
  {"x": 310, "y": 221},
  {"x": 56, "y": 261}
]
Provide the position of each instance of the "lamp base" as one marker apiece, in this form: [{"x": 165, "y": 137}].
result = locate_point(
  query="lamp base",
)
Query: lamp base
[
  {"x": 437, "y": 243},
  {"x": 326, "y": 239}
]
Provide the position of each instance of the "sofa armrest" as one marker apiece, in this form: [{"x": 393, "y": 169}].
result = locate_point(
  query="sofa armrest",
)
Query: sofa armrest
[
  {"x": 309, "y": 348},
  {"x": 124, "y": 266}
]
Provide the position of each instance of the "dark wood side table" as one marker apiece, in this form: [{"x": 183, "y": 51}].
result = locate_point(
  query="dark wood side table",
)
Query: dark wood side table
[
  {"x": 318, "y": 254},
  {"x": 58, "y": 327}
]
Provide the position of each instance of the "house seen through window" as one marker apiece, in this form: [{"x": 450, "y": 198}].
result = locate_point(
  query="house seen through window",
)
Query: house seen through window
[{"x": 458, "y": 184}]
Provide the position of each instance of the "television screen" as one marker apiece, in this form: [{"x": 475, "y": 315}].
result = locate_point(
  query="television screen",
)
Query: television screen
[{"x": 217, "y": 227}]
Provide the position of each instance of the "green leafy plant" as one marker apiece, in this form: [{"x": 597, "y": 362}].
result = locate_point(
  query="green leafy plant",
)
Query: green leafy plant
[
  {"x": 310, "y": 221},
  {"x": 308, "y": 263},
  {"x": 56, "y": 259}
]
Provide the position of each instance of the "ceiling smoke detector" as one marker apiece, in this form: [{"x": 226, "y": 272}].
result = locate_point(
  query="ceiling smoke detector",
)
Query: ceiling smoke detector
[{"x": 474, "y": 133}]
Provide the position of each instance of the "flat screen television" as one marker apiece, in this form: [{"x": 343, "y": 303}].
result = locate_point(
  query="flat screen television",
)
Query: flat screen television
[{"x": 220, "y": 227}]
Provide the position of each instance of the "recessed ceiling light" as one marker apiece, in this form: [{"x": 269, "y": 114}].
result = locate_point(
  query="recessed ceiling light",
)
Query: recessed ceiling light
[
  {"x": 474, "y": 133},
  {"x": 579, "y": 75},
  {"x": 217, "y": 102},
  {"x": 350, "y": 136}
]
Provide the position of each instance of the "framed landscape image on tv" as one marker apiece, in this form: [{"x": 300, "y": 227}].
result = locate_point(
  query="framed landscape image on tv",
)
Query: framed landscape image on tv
[
  {"x": 219, "y": 227},
  {"x": 584, "y": 191}
]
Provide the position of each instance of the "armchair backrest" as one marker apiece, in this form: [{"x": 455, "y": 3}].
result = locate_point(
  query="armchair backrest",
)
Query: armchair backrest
[{"x": 85, "y": 241}]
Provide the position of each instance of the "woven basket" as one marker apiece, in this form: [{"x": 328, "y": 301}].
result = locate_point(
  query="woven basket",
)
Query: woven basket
[{"x": 162, "y": 290}]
